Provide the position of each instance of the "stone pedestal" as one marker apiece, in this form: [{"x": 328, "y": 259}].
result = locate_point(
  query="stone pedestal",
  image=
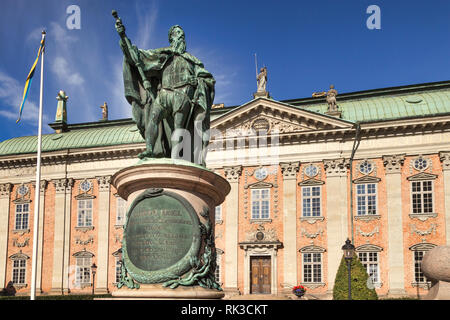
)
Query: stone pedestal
[
  {"x": 261, "y": 94},
  {"x": 168, "y": 249},
  {"x": 436, "y": 267}
]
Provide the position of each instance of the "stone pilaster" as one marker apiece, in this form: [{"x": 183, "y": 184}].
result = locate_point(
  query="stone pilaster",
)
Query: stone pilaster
[
  {"x": 445, "y": 160},
  {"x": 5, "y": 197},
  {"x": 232, "y": 174},
  {"x": 61, "y": 242},
  {"x": 289, "y": 171},
  {"x": 337, "y": 214},
  {"x": 103, "y": 234},
  {"x": 393, "y": 165},
  {"x": 43, "y": 187}
]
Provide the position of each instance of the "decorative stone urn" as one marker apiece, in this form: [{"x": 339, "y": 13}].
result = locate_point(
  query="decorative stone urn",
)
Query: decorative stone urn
[
  {"x": 436, "y": 267},
  {"x": 168, "y": 248}
]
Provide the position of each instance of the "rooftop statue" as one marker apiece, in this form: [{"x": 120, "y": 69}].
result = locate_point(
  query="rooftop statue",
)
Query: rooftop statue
[
  {"x": 262, "y": 80},
  {"x": 171, "y": 94},
  {"x": 104, "y": 108},
  {"x": 331, "y": 98}
]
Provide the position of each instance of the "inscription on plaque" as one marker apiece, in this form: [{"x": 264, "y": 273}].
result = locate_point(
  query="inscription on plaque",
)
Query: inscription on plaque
[{"x": 159, "y": 233}]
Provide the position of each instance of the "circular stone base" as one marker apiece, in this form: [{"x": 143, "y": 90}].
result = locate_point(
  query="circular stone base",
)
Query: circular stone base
[
  {"x": 156, "y": 291},
  {"x": 196, "y": 188}
]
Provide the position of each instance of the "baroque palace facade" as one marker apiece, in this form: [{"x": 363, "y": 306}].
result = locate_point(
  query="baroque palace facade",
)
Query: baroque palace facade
[{"x": 296, "y": 194}]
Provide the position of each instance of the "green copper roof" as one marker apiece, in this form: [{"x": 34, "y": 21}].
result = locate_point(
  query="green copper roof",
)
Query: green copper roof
[
  {"x": 80, "y": 136},
  {"x": 420, "y": 100},
  {"x": 388, "y": 103},
  {"x": 391, "y": 107}
]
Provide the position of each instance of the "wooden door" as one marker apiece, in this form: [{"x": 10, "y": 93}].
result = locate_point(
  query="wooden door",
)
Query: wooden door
[{"x": 260, "y": 274}]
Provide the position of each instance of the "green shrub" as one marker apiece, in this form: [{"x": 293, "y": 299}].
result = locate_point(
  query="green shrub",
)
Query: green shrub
[{"x": 359, "y": 281}]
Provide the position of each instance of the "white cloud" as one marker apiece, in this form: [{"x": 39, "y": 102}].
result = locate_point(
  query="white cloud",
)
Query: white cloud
[
  {"x": 11, "y": 92},
  {"x": 119, "y": 104},
  {"x": 224, "y": 74},
  {"x": 146, "y": 24},
  {"x": 65, "y": 73}
]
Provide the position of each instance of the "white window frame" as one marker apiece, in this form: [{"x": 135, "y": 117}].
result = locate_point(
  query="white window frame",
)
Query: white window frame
[
  {"x": 367, "y": 263},
  {"x": 121, "y": 208},
  {"x": 363, "y": 209},
  {"x": 418, "y": 267},
  {"x": 84, "y": 214},
  {"x": 19, "y": 270},
  {"x": 311, "y": 197},
  {"x": 83, "y": 271},
  {"x": 21, "y": 216},
  {"x": 311, "y": 264},
  {"x": 118, "y": 269},
  {"x": 218, "y": 213},
  {"x": 261, "y": 202},
  {"x": 421, "y": 194},
  {"x": 422, "y": 249},
  {"x": 218, "y": 270}
]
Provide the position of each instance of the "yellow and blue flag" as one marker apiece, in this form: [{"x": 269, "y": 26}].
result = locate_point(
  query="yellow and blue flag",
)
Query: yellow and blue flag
[{"x": 30, "y": 78}]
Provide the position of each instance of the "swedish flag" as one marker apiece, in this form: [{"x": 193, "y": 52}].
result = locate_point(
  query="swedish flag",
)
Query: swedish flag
[{"x": 30, "y": 78}]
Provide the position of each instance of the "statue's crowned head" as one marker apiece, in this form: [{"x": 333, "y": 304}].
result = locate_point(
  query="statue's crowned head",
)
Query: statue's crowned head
[{"x": 176, "y": 38}]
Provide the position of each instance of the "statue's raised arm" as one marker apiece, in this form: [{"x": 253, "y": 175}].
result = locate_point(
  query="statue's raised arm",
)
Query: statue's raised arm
[{"x": 130, "y": 51}]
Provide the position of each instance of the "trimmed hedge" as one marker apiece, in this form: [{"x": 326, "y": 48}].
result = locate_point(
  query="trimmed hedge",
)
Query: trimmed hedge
[{"x": 359, "y": 282}]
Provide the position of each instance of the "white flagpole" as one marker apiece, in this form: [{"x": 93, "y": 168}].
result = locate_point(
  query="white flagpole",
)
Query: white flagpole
[{"x": 38, "y": 183}]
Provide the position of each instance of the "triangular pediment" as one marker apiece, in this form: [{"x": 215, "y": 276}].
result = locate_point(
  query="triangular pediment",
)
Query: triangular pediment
[
  {"x": 273, "y": 116},
  {"x": 422, "y": 176},
  {"x": 311, "y": 182},
  {"x": 367, "y": 179},
  {"x": 260, "y": 185}
]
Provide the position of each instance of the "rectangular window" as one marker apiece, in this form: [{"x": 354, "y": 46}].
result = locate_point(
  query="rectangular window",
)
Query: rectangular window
[
  {"x": 370, "y": 262},
  {"x": 118, "y": 269},
  {"x": 120, "y": 211},
  {"x": 260, "y": 203},
  {"x": 422, "y": 196},
  {"x": 418, "y": 274},
  {"x": 18, "y": 272},
  {"x": 22, "y": 215},
  {"x": 218, "y": 214},
  {"x": 85, "y": 213},
  {"x": 311, "y": 201},
  {"x": 366, "y": 199},
  {"x": 312, "y": 267},
  {"x": 83, "y": 271},
  {"x": 217, "y": 271}
]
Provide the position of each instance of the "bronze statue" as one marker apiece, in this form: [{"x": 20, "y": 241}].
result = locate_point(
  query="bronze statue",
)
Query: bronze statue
[
  {"x": 331, "y": 98},
  {"x": 171, "y": 94}
]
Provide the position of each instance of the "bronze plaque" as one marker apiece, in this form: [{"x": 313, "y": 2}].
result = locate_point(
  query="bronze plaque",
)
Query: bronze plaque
[{"x": 160, "y": 232}]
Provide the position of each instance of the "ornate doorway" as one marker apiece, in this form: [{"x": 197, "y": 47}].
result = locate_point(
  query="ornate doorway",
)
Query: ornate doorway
[{"x": 260, "y": 275}]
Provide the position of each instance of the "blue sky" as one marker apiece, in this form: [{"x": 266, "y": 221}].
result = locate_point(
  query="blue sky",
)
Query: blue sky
[{"x": 306, "y": 46}]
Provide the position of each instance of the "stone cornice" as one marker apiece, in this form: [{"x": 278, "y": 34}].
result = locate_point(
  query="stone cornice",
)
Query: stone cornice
[
  {"x": 72, "y": 156},
  {"x": 393, "y": 163},
  {"x": 232, "y": 174},
  {"x": 290, "y": 170},
  {"x": 336, "y": 167}
]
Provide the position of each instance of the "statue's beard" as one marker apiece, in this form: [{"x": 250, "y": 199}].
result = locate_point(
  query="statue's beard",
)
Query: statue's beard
[{"x": 179, "y": 45}]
